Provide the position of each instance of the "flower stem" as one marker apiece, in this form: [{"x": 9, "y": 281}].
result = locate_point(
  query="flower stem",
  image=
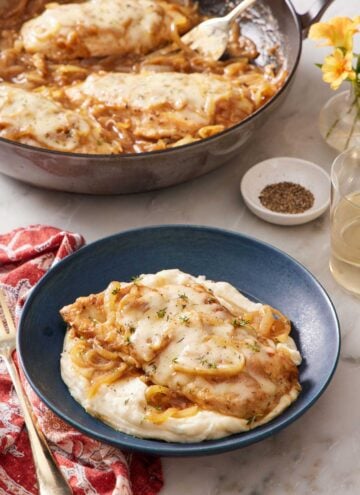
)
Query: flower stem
[
  {"x": 335, "y": 123},
  {"x": 332, "y": 127},
  {"x": 357, "y": 114},
  {"x": 351, "y": 130}
]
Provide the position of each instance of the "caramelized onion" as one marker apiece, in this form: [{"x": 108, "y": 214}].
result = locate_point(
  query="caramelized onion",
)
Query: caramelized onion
[
  {"x": 217, "y": 370},
  {"x": 106, "y": 379}
]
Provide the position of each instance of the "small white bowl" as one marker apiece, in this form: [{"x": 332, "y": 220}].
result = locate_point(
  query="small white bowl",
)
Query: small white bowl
[{"x": 286, "y": 169}]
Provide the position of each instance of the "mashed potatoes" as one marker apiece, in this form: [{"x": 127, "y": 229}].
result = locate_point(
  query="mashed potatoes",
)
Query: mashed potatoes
[{"x": 227, "y": 360}]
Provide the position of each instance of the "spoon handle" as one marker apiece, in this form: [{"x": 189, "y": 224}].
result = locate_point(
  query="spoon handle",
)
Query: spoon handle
[{"x": 239, "y": 9}]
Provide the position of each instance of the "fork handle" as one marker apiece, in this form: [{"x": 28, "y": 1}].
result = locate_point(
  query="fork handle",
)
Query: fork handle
[
  {"x": 239, "y": 9},
  {"x": 50, "y": 479}
]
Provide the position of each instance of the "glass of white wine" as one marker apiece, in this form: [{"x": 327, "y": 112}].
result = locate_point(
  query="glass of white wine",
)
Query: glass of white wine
[{"x": 345, "y": 220}]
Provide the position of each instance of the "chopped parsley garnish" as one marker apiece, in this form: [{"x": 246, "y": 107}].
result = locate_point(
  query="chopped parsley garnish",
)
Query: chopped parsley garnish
[
  {"x": 254, "y": 346},
  {"x": 240, "y": 322},
  {"x": 115, "y": 291},
  {"x": 175, "y": 360},
  {"x": 136, "y": 278},
  {"x": 132, "y": 329},
  {"x": 127, "y": 340},
  {"x": 185, "y": 319},
  {"x": 208, "y": 364},
  {"x": 161, "y": 313},
  {"x": 251, "y": 420},
  {"x": 184, "y": 297}
]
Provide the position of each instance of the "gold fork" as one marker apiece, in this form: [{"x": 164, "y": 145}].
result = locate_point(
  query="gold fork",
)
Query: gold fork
[{"x": 50, "y": 479}]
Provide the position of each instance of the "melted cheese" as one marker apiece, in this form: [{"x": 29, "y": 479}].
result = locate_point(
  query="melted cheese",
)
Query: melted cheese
[
  {"x": 31, "y": 118},
  {"x": 159, "y": 105},
  {"x": 123, "y": 406},
  {"x": 96, "y": 28},
  {"x": 180, "y": 323},
  {"x": 121, "y": 65}
]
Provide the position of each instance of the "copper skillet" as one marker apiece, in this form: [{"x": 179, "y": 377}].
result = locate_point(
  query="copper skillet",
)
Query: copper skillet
[{"x": 273, "y": 22}]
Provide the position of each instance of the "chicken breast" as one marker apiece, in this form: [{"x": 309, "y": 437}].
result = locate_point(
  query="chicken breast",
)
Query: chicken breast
[
  {"x": 32, "y": 118},
  {"x": 164, "y": 105},
  {"x": 185, "y": 334},
  {"x": 96, "y": 28}
]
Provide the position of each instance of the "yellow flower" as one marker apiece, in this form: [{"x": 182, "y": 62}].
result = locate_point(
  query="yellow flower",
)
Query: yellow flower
[
  {"x": 337, "y": 32},
  {"x": 337, "y": 67}
]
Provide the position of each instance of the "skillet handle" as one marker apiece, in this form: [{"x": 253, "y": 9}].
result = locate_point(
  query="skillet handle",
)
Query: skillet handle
[{"x": 313, "y": 14}]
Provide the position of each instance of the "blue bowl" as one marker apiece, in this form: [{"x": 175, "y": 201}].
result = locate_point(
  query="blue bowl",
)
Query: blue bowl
[{"x": 260, "y": 271}]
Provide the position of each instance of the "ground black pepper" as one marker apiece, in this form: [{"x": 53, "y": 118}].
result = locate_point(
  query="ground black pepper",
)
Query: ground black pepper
[{"x": 286, "y": 197}]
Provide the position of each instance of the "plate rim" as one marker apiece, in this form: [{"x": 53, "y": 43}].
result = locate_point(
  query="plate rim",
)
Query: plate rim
[{"x": 177, "y": 449}]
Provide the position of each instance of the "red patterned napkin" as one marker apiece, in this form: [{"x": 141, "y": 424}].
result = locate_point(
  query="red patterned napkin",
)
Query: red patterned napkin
[{"x": 91, "y": 467}]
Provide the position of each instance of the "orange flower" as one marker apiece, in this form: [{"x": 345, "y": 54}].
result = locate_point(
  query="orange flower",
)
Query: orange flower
[
  {"x": 337, "y": 67},
  {"x": 337, "y": 32}
]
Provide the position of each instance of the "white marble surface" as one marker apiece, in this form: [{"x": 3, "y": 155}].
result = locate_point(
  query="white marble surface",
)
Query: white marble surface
[{"x": 319, "y": 454}]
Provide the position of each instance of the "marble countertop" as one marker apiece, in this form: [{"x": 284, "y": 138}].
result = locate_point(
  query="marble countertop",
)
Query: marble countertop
[{"x": 319, "y": 453}]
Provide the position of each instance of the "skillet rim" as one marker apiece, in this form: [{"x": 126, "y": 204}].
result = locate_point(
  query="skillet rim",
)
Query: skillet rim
[{"x": 114, "y": 157}]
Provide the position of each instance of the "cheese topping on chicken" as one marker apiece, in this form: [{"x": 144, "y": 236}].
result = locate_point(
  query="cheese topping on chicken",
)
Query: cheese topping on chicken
[
  {"x": 121, "y": 66},
  {"x": 32, "y": 118},
  {"x": 194, "y": 359},
  {"x": 96, "y": 28},
  {"x": 167, "y": 104}
]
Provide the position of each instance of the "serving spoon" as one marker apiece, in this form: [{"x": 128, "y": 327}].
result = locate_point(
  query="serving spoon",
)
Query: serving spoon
[{"x": 210, "y": 38}]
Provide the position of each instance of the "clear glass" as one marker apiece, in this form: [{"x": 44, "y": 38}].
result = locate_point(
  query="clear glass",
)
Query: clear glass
[
  {"x": 339, "y": 120},
  {"x": 345, "y": 220}
]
